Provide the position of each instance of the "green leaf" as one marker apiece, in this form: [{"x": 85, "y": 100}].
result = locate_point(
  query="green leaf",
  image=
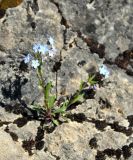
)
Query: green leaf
[
  {"x": 91, "y": 80},
  {"x": 63, "y": 107},
  {"x": 55, "y": 122},
  {"x": 51, "y": 101},
  {"x": 36, "y": 107},
  {"x": 47, "y": 90},
  {"x": 81, "y": 85},
  {"x": 76, "y": 98}
]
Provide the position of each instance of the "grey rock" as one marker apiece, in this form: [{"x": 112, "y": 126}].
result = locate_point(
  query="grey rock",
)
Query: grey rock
[
  {"x": 10, "y": 149},
  {"x": 103, "y": 122}
]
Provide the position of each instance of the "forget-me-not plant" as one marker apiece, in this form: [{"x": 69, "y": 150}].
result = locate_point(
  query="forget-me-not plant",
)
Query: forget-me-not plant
[
  {"x": 36, "y": 60},
  {"x": 50, "y": 110}
]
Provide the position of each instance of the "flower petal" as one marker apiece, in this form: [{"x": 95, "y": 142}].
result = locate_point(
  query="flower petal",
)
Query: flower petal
[
  {"x": 27, "y": 58},
  {"x": 104, "y": 71},
  {"x": 35, "y": 64}
]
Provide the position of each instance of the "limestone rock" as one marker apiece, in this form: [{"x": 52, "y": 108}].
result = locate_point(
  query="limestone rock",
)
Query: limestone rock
[{"x": 87, "y": 33}]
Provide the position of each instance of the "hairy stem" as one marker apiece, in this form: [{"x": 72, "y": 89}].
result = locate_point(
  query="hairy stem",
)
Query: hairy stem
[{"x": 42, "y": 84}]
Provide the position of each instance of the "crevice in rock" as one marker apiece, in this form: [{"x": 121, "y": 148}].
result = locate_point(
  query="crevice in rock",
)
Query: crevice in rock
[
  {"x": 30, "y": 19},
  {"x": 28, "y": 146},
  {"x": 124, "y": 151},
  {"x": 36, "y": 143},
  {"x": 56, "y": 157},
  {"x": 56, "y": 66},
  {"x": 118, "y": 128},
  {"x": 39, "y": 143},
  {"x": 20, "y": 122},
  {"x": 81, "y": 63},
  {"x": 91, "y": 1},
  {"x": 93, "y": 45},
  {"x": 78, "y": 117},
  {"x": 88, "y": 93},
  {"x": 100, "y": 124},
  {"x": 33, "y": 25},
  {"x": 23, "y": 67},
  {"x": 130, "y": 120},
  {"x": 2, "y": 62},
  {"x": 104, "y": 103},
  {"x": 74, "y": 43},
  {"x": 100, "y": 156},
  {"x": 93, "y": 143},
  {"x": 12, "y": 134},
  {"x": 2, "y": 13},
  {"x": 35, "y": 6},
  {"x": 16, "y": 109},
  {"x": 49, "y": 129},
  {"x": 4, "y": 123},
  {"x": 123, "y": 61},
  {"x": 4, "y": 20}
]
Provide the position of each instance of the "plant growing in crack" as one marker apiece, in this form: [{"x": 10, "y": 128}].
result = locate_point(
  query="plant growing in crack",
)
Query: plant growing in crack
[{"x": 52, "y": 108}]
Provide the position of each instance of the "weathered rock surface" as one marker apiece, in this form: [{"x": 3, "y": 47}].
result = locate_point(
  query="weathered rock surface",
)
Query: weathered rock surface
[
  {"x": 87, "y": 33},
  {"x": 10, "y": 149}
]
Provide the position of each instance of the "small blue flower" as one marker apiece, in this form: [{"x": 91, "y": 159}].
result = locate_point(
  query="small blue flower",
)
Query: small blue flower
[
  {"x": 92, "y": 87},
  {"x": 43, "y": 49},
  {"x": 104, "y": 71},
  {"x": 35, "y": 64},
  {"x": 36, "y": 47},
  {"x": 52, "y": 52},
  {"x": 40, "y": 48},
  {"x": 27, "y": 58}
]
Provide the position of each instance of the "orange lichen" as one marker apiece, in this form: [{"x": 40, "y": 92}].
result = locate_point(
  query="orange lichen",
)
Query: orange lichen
[{"x": 5, "y": 4}]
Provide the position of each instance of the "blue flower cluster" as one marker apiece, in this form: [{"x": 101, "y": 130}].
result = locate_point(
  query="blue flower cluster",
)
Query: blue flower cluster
[{"x": 42, "y": 50}]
